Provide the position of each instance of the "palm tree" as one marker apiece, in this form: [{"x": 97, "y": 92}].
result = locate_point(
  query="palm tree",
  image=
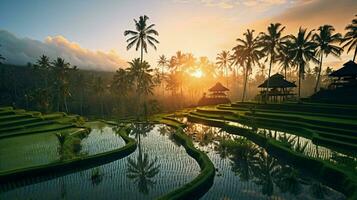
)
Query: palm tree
[
  {"x": 142, "y": 35},
  {"x": 303, "y": 50},
  {"x": 139, "y": 73},
  {"x": 250, "y": 53},
  {"x": 223, "y": 62},
  {"x": 43, "y": 64},
  {"x": 61, "y": 68},
  {"x": 271, "y": 43},
  {"x": 172, "y": 83},
  {"x": 285, "y": 57},
  {"x": 325, "y": 40},
  {"x": 120, "y": 82},
  {"x": 350, "y": 37},
  {"x": 163, "y": 62}
]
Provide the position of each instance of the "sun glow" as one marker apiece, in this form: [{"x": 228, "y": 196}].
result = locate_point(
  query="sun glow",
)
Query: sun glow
[{"x": 197, "y": 73}]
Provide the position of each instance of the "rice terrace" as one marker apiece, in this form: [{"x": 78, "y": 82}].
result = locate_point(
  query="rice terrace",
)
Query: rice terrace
[{"x": 178, "y": 99}]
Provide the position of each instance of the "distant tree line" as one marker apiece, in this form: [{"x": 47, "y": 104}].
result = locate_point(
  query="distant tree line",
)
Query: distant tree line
[{"x": 140, "y": 89}]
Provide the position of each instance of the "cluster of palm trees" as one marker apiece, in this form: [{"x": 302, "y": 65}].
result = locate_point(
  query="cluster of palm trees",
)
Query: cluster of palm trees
[
  {"x": 174, "y": 70},
  {"x": 58, "y": 72},
  {"x": 289, "y": 51}
]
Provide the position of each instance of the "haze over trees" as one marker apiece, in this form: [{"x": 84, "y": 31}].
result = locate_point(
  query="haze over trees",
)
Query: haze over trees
[{"x": 178, "y": 80}]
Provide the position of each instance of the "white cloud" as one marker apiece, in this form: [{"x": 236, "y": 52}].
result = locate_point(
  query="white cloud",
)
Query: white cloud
[
  {"x": 23, "y": 50},
  {"x": 228, "y": 4}
]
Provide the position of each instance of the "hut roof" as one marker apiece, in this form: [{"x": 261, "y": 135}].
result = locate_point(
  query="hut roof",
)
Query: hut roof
[
  {"x": 348, "y": 69},
  {"x": 218, "y": 87},
  {"x": 277, "y": 81}
]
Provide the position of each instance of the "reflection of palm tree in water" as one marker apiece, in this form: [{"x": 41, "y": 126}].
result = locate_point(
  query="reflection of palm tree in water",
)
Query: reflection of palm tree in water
[
  {"x": 142, "y": 170},
  {"x": 250, "y": 162},
  {"x": 243, "y": 156}
]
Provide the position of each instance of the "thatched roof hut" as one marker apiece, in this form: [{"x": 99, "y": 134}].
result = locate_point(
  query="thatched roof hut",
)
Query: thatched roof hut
[
  {"x": 349, "y": 69},
  {"x": 277, "y": 81},
  {"x": 218, "y": 87},
  {"x": 216, "y": 95}
]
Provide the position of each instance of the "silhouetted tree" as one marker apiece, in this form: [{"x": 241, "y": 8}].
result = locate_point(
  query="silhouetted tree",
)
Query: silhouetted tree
[
  {"x": 325, "y": 40},
  {"x": 249, "y": 50},
  {"x": 140, "y": 75},
  {"x": 303, "y": 50},
  {"x": 285, "y": 57},
  {"x": 43, "y": 65},
  {"x": 61, "y": 69},
  {"x": 223, "y": 62},
  {"x": 271, "y": 44},
  {"x": 142, "y": 36},
  {"x": 350, "y": 37}
]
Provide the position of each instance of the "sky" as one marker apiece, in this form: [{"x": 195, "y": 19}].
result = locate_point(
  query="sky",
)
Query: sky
[{"x": 89, "y": 33}]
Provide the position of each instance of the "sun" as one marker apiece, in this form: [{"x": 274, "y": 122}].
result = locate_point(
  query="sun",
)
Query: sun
[{"x": 197, "y": 73}]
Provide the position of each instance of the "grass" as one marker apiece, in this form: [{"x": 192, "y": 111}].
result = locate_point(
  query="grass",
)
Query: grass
[{"x": 27, "y": 150}]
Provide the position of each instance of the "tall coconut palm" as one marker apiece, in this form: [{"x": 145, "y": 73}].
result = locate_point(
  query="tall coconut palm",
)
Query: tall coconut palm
[
  {"x": 325, "y": 40},
  {"x": 163, "y": 62},
  {"x": 142, "y": 35},
  {"x": 303, "y": 51},
  {"x": 250, "y": 53},
  {"x": 140, "y": 75},
  {"x": 179, "y": 60},
  {"x": 61, "y": 68},
  {"x": 43, "y": 64},
  {"x": 271, "y": 44},
  {"x": 223, "y": 62},
  {"x": 285, "y": 57},
  {"x": 350, "y": 37},
  {"x": 120, "y": 82}
]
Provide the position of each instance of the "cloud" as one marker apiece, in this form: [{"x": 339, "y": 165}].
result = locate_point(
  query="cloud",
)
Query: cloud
[
  {"x": 314, "y": 13},
  {"x": 228, "y": 4},
  {"x": 20, "y": 51}
]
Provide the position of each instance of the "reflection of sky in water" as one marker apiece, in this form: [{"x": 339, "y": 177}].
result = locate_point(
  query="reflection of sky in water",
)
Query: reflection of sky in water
[
  {"x": 227, "y": 184},
  {"x": 176, "y": 168}
]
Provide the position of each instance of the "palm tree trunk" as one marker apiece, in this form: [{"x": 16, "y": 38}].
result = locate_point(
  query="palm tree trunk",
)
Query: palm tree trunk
[
  {"x": 142, "y": 54},
  {"x": 300, "y": 74},
  {"x": 226, "y": 75},
  {"x": 268, "y": 83},
  {"x": 354, "y": 56},
  {"x": 319, "y": 74},
  {"x": 245, "y": 83}
]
